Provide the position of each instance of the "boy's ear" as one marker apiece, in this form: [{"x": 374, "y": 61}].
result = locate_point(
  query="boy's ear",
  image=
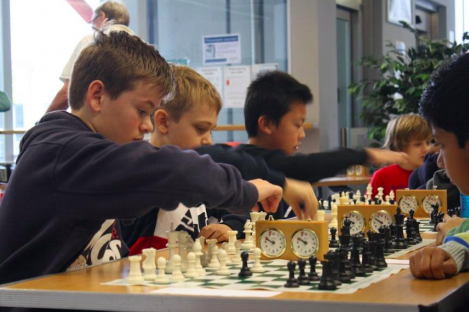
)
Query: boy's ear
[
  {"x": 96, "y": 92},
  {"x": 161, "y": 121},
  {"x": 265, "y": 125}
]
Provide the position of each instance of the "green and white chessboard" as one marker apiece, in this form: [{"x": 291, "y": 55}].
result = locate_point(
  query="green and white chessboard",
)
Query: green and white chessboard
[
  {"x": 425, "y": 226},
  {"x": 274, "y": 278}
]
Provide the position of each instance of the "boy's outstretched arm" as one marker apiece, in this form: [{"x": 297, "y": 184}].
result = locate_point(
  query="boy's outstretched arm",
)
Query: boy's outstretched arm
[
  {"x": 269, "y": 195},
  {"x": 297, "y": 193}
]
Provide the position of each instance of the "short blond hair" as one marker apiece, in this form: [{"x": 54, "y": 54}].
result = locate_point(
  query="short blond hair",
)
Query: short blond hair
[
  {"x": 191, "y": 91},
  {"x": 405, "y": 129}
]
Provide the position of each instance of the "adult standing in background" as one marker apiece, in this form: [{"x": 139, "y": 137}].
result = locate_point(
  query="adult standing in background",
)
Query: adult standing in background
[{"x": 108, "y": 11}]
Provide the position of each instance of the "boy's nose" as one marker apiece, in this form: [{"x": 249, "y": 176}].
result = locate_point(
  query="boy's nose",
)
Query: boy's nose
[
  {"x": 146, "y": 126},
  {"x": 207, "y": 140},
  {"x": 302, "y": 133}
]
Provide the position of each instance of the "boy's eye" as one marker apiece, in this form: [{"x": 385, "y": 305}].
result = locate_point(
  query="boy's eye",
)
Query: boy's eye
[
  {"x": 201, "y": 129},
  {"x": 141, "y": 112}
]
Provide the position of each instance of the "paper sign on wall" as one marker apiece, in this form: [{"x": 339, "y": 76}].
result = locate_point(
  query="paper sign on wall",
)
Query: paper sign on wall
[
  {"x": 237, "y": 80},
  {"x": 221, "y": 49},
  {"x": 214, "y": 74}
]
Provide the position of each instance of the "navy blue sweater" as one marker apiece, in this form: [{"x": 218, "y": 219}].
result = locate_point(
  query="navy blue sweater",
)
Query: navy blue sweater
[{"x": 69, "y": 181}]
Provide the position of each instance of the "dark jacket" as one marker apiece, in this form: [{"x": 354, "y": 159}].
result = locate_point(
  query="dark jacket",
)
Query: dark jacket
[{"x": 69, "y": 181}]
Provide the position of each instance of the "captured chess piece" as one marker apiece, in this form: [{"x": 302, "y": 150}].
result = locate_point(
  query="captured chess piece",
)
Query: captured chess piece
[
  {"x": 333, "y": 242},
  {"x": 245, "y": 271},
  {"x": 313, "y": 275},
  {"x": 292, "y": 282}
]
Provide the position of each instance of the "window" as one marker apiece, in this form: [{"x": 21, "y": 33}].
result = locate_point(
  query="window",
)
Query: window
[{"x": 178, "y": 26}]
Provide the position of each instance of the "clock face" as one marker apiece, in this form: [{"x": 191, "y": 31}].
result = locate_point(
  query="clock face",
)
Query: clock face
[
  {"x": 357, "y": 220},
  {"x": 272, "y": 243},
  {"x": 305, "y": 243},
  {"x": 429, "y": 201},
  {"x": 408, "y": 203},
  {"x": 380, "y": 218},
  {"x": 350, "y": 171}
]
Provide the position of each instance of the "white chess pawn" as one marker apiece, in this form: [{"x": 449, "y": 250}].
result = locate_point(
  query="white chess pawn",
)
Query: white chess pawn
[
  {"x": 262, "y": 215},
  {"x": 231, "y": 241},
  {"x": 333, "y": 222},
  {"x": 210, "y": 244},
  {"x": 391, "y": 195},
  {"x": 161, "y": 278},
  {"x": 387, "y": 200},
  {"x": 135, "y": 273},
  {"x": 197, "y": 249},
  {"x": 149, "y": 266},
  {"x": 237, "y": 256},
  {"x": 247, "y": 244},
  {"x": 257, "y": 267},
  {"x": 177, "y": 276},
  {"x": 203, "y": 256},
  {"x": 225, "y": 248},
  {"x": 320, "y": 214},
  {"x": 223, "y": 269},
  {"x": 325, "y": 204},
  {"x": 191, "y": 271},
  {"x": 214, "y": 263}
]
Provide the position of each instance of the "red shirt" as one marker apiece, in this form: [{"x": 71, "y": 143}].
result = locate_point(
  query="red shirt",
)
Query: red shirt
[{"x": 391, "y": 178}]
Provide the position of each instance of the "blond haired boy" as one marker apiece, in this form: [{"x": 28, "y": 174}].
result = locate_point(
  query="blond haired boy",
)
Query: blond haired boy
[
  {"x": 187, "y": 121},
  {"x": 410, "y": 134}
]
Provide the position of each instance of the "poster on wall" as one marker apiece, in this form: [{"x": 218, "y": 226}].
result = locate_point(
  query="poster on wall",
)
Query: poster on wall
[
  {"x": 214, "y": 74},
  {"x": 400, "y": 10},
  {"x": 221, "y": 49},
  {"x": 237, "y": 80}
]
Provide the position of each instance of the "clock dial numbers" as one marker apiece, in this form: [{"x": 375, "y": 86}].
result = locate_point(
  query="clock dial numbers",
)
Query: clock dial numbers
[
  {"x": 429, "y": 201},
  {"x": 272, "y": 243},
  {"x": 357, "y": 219},
  {"x": 380, "y": 218},
  {"x": 408, "y": 203},
  {"x": 304, "y": 243}
]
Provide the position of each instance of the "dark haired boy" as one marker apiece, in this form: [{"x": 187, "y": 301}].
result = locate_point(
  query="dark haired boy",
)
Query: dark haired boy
[
  {"x": 274, "y": 112},
  {"x": 444, "y": 105},
  {"x": 77, "y": 173}
]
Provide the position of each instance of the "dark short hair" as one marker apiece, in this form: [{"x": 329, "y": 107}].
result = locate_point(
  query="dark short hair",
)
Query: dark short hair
[
  {"x": 114, "y": 11},
  {"x": 444, "y": 103},
  {"x": 120, "y": 60},
  {"x": 271, "y": 95}
]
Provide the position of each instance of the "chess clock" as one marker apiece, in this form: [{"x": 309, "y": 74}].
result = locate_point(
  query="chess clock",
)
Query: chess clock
[
  {"x": 305, "y": 243},
  {"x": 361, "y": 170},
  {"x": 380, "y": 218},
  {"x": 408, "y": 203},
  {"x": 272, "y": 243},
  {"x": 351, "y": 171},
  {"x": 357, "y": 219},
  {"x": 292, "y": 239},
  {"x": 429, "y": 201}
]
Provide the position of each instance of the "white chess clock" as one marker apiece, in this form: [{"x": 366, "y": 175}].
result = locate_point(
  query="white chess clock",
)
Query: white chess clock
[
  {"x": 380, "y": 218},
  {"x": 305, "y": 243},
  {"x": 272, "y": 243},
  {"x": 430, "y": 200},
  {"x": 358, "y": 221},
  {"x": 408, "y": 203}
]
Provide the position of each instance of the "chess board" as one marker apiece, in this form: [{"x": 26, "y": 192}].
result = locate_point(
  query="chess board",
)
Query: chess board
[
  {"x": 425, "y": 226},
  {"x": 274, "y": 279}
]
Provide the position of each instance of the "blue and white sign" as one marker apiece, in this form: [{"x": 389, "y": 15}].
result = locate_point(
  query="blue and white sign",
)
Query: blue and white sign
[{"x": 221, "y": 49}]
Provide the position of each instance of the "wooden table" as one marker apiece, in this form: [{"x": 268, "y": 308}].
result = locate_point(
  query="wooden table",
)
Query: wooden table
[
  {"x": 343, "y": 180},
  {"x": 82, "y": 289}
]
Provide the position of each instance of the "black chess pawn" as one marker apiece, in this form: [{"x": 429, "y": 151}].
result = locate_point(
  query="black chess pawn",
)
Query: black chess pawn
[
  {"x": 313, "y": 275},
  {"x": 387, "y": 240},
  {"x": 392, "y": 227},
  {"x": 302, "y": 278},
  {"x": 292, "y": 282},
  {"x": 418, "y": 237},
  {"x": 334, "y": 258},
  {"x": 399, "y": 241},
  {"x": 355, "y": 255},
  {"x": 245, "y": 271},
  {"x": 345, "y": 273},
  {"x": 410, "y": 232},
  {"x": 333, "y": 243},
  {"x": 380, "y": 260},
  {"x": 327, "y": 280},
  {"x": 366, "y": 258},
  {"x": 372, "y": 251}
]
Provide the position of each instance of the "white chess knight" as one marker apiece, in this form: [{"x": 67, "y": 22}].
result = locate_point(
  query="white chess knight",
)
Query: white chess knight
[
  {"x": 149, "y": 266},
  {"x": 161, "y": 278},
  {"x": 247, "y": 245},
  {"x": 223, "y": 269},
  {"x": 257, "y": 267},
  {"x": 135, "y": 273}
]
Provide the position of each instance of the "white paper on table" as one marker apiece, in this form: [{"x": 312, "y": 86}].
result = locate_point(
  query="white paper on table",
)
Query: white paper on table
[
  {"x": 215, "y": 292},
  {"x": 397, "y": 261}
]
